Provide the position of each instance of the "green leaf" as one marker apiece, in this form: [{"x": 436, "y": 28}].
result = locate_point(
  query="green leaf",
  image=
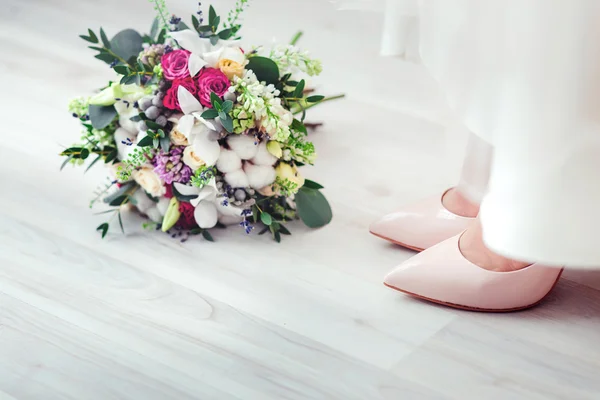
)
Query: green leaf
[
  {"x": 107, "y": 58},
  {"x": 66, "y": 162},
  {"x": 155, "y": 143},
  {"x": 210, "y": 114},
  {"x": 126, "y": 80},
  {"x": 298, "y": 92},
  {"x": 87, "y": 38},
  {"x": 266, "y": 218},
  {"x": 222, "y": 115},
  {"x": 127, "y": 44},
  {"x": 182, "y": 26},
  {"x": 314, "y": 99},
  {"x": 214, "y": 40},
  {"x": 101, "y": 116},
  {"x": 119, "y": 192},
  {"x": 93, "y": 162},
  {"x": 298, "y": 126},
  {"x": 255, "y": 213},
  {"x": 195, "y": 23},
  {"x": 214, "y": 99},
  {"x": 266, "y": 70},
  {"x": 296, "y": 37},
  {"x": 84, "y": 154},
  {"x": 216, "y": 22},
  {"x": 105, "y": 40},
  {"x": 183, "y": 197},
  {"x": 93, "y": 36},
  {"x": 227, "y": 106},
  {"x": 277, "y": 236},
  {"x": 225, "y": 33},
  {"x": 207, "y": 236},
  {"x": 204, "y": 28},
  {"x": 135, "y": 118},
  {"x": 103, "y": 228},
  {"x": 284, "y": 230},
  {"x": 96, "y": 48},
  {"x": 161, "y": 36},
  {"x": 154, "y": 28},
  {"x": 312, "y": 185},
  {"x": 152, "y": 125},
  {"x": 111, "y": 156},
  {"x": 313, "y": 208},
  {"x": 212, "y": 14},
  {"x": 165, "y": 142},
  {"x": 119, "y": 201},
  {"x": 227, "y": 124},
  {"x": 122, "y": 69},
  {"x": 265, "y": 230},
  {"x": 145, "y": 142},
  {"x": 121, "y": 222}
]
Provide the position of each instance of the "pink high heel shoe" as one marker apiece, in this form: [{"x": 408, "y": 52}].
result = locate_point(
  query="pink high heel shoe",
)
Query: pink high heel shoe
[
  {"x": 421, "y": 225},
  {"x": 442, "y": 275}
]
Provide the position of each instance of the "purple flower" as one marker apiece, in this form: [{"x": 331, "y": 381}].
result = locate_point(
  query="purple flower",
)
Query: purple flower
[{"x": 170, "y": 167}]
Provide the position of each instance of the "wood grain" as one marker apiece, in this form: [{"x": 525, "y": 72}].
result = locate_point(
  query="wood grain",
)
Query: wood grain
[{"x": 144, "y": 316}]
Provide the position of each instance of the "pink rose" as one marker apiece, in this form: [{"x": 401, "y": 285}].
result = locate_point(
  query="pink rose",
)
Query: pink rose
[
  {"x": 175, "y": 64},
  {"x": 211, "y": 80},
  {"x": 170, "y": 100}
]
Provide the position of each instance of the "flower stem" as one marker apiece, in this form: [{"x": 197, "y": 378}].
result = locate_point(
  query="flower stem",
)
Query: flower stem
[
  {"x": 296, "y": 37},
  {"x": 339, "y": 96}
]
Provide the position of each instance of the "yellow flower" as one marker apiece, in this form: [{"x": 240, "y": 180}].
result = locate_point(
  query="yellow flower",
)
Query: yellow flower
[{"x": 230, "y": 68}]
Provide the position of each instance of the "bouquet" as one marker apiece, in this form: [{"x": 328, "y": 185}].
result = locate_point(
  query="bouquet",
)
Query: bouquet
[{"x": 199, "y": 132}]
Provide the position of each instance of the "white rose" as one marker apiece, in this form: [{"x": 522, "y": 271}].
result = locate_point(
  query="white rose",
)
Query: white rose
[
  {"x": 149, "y": 181},
  {"x": 191, "y": 159},
  {"x": 177, "y": 138}
]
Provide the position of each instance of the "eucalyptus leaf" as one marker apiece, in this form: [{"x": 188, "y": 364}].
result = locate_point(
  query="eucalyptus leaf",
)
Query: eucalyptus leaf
[
  {"x": 195, "y": 23},
  {"x": 266, "y": 70},
  {"x": 313, "y": 208},
  {"x": 212, "y": 14},
  {"x": 155, "y": 143},
  {"x": 216, "y": 22},
  {"x": 127, "y": 44},
  {"x": 103, "y": 228},
  {"x": 207, "y": 236},
  {"x": 107, "y": 58},
  {"x": 312, "y": 185},
  {"x": 154, "y": 28},
  {"x": 210, "y": 114},
  {"x": 121, "y": 69},
  {"x": 298, "y": 92},
  {"x": 165, "y": 142},
  {"x": 121, "y": 222},
  {"x": 182, "y": 26},
  {"x": 119, "y": 201},
  {"x": 119, "y": 192},
  {"x": 145, "y": 142},
  {"x": 225, "y": 33},
  {"x": 227, "y": 106},
  {"x": 284, "y": 230},
  {"x": 126, "y": 80},
  {"x": 101, "y": 116},
  {"x": 111, "y": 156},
  {"x": 152, "y": 125},
  {"x": 105, "y": 40},
  {"x": 161, "y": 36},
  {"x": 183, "y": 197},
  {"x": 214, "y": 40},
  {"x": 266, "y": 218},
  {"x": 227, "y": 124},
  {"x": 314, "y": 99}
]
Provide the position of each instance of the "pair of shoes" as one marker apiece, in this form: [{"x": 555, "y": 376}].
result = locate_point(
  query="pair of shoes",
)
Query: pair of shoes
[{"x": 441, "y": 274}]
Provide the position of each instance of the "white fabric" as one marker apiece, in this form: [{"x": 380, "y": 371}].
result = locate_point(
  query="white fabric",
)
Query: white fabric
[{"x": 522, "y": 75}]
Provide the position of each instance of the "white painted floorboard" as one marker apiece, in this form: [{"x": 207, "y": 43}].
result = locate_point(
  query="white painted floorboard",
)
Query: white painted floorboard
[{"x": 144, "y": 316}]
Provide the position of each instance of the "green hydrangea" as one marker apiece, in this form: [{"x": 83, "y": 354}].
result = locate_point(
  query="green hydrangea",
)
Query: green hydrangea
[
  {"x": 79, "y": 106},
  {"x": 242, "y": 120}
]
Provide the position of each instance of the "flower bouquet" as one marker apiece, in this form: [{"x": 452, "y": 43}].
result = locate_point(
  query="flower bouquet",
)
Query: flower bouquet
[{"x": 199, "y": 132}]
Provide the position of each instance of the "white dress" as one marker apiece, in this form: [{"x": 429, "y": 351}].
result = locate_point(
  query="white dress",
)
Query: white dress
[{"x": 523, "y": 75}]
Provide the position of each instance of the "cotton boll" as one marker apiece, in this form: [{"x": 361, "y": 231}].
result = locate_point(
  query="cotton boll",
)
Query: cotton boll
[
  {"x": 228, "y": 161},
  {"x": 125, "y": 113},
  {"x": 154, "y": 214},
  {"x": 237, "y": 179},
  {"x": 259, "y": 176},
  {"x": 162, "y": 205},
  {"x": 243, "y": 146},
  {"x": 143, "y": 202},
  {"x": 263, "y": 157}
]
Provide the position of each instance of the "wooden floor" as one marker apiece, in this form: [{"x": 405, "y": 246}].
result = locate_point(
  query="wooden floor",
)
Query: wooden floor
[{"x": 147, "y": 317}]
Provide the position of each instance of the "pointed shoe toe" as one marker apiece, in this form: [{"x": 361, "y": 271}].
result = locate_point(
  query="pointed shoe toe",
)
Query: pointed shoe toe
[
  {"x": 442, "y": 275},
  {"x": 420, "y": 225}
]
